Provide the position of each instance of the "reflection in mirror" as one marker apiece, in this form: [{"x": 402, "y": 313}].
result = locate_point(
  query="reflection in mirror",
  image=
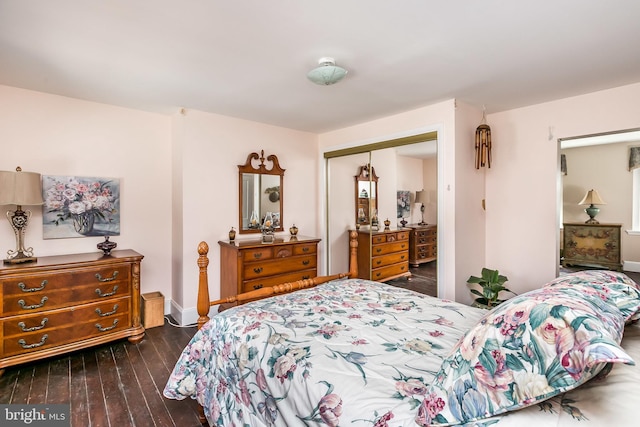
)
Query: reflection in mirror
[
  {"x": 366, "y": 195},
  {"x": 260, "y": 193}
]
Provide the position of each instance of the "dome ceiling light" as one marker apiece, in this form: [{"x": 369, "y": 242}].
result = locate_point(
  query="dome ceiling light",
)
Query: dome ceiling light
[{"x": 327, "y": 73}]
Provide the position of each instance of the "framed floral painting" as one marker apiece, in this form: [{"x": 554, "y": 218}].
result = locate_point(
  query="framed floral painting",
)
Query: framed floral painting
[
  {"x": 404, "y": 206},
  {"x": 80, "y": 206}
]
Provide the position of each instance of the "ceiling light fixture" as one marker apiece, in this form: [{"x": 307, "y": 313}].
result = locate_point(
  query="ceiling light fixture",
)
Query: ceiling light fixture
[{"x": 327, "y": 73}]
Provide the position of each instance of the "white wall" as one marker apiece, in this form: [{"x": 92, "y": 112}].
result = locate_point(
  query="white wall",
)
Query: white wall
[
  {"x": 211, "y": 148},
  {"x": 54, "y": 135},
  {"x": 521, "y": 187}
]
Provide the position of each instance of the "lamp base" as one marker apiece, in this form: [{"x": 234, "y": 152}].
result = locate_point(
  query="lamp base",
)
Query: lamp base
[
  {"x": 20, "y": 259},
  {"x": 592, "y": 211}
]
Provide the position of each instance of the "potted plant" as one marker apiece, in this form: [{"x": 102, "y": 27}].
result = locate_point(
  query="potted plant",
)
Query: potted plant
[{"x": 492, "y": 283}]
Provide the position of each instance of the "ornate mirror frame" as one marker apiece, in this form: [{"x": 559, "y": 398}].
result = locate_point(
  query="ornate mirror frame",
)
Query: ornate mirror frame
[
  {"x": 366, "y": 194},
  {"x": 261, "y": 191}
]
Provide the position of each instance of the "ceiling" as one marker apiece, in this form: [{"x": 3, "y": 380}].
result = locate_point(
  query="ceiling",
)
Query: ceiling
[{"x": 249, "y": 58}]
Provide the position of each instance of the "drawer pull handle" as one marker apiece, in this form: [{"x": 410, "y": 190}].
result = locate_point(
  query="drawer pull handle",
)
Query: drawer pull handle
[
  {"x": 305, "y": 277},
  {"x": 109, "y": 313},
  {"x": 378, "y": 250},
  {"x": 26, "y": 346},
  {"x": 108, "y": 328},
  {"x": 108, "y": 294},
  {"x": 305, "y": 249},
  {"x": 378, "y": 262},
  {"x": 306, "y": 262},
  {"x": 107, "y": 279},
  {"x": 22, "y": 304},
  {"x": 257, "y": 270},
  {"x": 24, "y": 288},
  {"x": 257, "y": 255},
  {"x": 24, "y": 328},
  {"x": 257, "y": 286}
]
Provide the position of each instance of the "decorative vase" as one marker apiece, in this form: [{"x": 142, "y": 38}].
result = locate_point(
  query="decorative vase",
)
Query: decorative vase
[
  {"x": 232, "y": 234},
  {"x": 83, "y": 223},
  {"x": 106, "y": 247},
  {"x": 387, "y": 223},
  {"x": 293, "y": 230}
]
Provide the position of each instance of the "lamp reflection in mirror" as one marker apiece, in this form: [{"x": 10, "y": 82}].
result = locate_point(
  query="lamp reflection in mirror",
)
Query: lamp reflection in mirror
[
  {"x": 422, "y": 197},
  {"x": 592, "y": 198},
  {"x": 21, "y": 189}
]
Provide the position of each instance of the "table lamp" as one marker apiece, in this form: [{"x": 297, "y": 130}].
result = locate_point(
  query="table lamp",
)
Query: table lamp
[
  {"x": 592, "y": 198},
  {"x": 21, "y": 189}
]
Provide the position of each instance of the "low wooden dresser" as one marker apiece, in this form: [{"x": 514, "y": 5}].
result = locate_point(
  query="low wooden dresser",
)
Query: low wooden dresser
[
  {"x": 64, "y": 303},
  {"x": 592, "y": 245},
  {"x": 246, "y": 265},
  {"x": 422, "y": 243},
  {"x": 384, "y": 254}
]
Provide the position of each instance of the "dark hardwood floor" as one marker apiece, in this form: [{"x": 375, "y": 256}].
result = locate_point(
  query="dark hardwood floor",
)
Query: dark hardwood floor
[
  {"x": 424, "y": 279},
  {"x": 116, "y": 385}
]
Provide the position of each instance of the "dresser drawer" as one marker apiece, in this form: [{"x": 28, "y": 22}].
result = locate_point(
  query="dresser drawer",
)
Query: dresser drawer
[
  {"x": 379, "y": 274},
  {"x": 94, "y": 289},
  {"x": 252, "y": 285},
  {"x": 258, "y": 254},
  {"x": 270, "y": 268},
  {"x": 44, "y": 322},
  {"x": 389, "y": 247},
  {"x": 304, "y": 249},
  {"x": 393, "y": 258},
  {"x": 58, "y": 327}
]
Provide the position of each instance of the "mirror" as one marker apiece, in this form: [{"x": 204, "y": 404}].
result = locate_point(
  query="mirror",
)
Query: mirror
[
  {"x": 260, "y": 193},
  {"x": 366, "y": 194}
]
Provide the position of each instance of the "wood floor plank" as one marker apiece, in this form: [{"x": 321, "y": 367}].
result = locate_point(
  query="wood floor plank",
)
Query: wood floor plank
[
  {"x": 115, "y": 401},
  {"x": 58, "y": 382},
  {"x": 95, "y": 395},
  {"x": 8, "y": 382},
  {"x": 134, "y": 395},
  {"x": 78, "y": 396}
]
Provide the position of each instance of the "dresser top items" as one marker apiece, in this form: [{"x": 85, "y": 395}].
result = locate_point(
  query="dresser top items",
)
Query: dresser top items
[{"x": 49, "y": 263}]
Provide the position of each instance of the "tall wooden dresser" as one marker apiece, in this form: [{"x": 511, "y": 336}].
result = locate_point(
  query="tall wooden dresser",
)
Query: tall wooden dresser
[
  {"x": 592, "y": 245},
  {"x": 246, "y": 265},
  {"x": 422, "y": 243},
  {"x": 64, "y": 303},
  {"x": 383, "y": 255}
]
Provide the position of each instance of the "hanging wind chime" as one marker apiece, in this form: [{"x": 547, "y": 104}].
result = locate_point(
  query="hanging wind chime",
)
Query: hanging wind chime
[{"x": 483, "y": 143}]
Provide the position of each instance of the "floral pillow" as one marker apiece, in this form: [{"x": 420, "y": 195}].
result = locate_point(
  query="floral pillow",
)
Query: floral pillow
[
  {"x": 526, "y": 350},
  {"x": 611, "y": 286}
]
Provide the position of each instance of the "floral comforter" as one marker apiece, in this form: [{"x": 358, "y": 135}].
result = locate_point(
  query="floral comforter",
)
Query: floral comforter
[
  {"x": 360, "y": 353},
  {"x": 349, "y": 352}
]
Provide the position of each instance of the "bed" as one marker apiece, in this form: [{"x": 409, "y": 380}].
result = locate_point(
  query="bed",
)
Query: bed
[{"x": 342, "y": 351}]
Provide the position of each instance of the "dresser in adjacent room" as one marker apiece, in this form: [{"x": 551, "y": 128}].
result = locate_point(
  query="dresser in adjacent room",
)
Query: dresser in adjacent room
[
  {"x": 384, "y": 254},
  {"x": 247, "y": 265},
  {"x": 592, "y": 245},
  {"x": 64, "y": 303},
  {"x": 422, "y": 243}
]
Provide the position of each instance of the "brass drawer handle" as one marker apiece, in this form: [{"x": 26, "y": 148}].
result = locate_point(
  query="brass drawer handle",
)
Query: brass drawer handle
[
  {"x": 378, "y": 250},
  {"x": 109, "y": 313},
  {"x": 22, "y": 304},
  {"x": 108, "y": 294},
  {"x": 257, "y": 286},
  {"x": 306, "y": 262},
  {"x": 24, "y": 328},
  {"x": 257, "y": 270},
  {"x": 305, "y": 277},
  {"x": 26, "y": 346},
  {"x": 257, "y": 255},
  {"x": 107, "y": 279},
  {"x": 305, "y": 249},
  {"x": 24, "y": 288},
  {"x": 108, "y": 328}
]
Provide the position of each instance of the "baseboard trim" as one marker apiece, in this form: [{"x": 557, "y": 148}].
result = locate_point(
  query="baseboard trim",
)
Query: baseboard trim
[
  {"x": 633, "y": 266},
  {"x": 186, "y": 316}
]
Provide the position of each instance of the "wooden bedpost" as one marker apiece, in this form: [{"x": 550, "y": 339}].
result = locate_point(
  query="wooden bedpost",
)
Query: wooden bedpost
[
  {"x": 203, "y": 284},
  {"x": 353, "y": 254}
]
